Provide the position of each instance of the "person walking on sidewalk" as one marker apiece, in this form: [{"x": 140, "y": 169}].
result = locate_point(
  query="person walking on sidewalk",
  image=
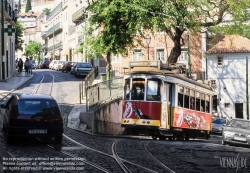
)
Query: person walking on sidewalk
[
  {"x": 20, "y": 65},
  {"x": 26, "y": 65},
  {"x": 30, "y": 66}
]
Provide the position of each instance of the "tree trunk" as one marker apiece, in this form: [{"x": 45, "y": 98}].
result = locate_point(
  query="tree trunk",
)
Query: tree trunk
[{"x": 176, "y": 50}]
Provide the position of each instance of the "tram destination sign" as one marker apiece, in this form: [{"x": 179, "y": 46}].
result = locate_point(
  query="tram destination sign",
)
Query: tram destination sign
[{"x": 157, "y": 64}]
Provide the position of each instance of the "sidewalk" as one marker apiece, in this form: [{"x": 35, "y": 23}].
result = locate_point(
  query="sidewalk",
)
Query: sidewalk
[{"x": 6, "y": 87}]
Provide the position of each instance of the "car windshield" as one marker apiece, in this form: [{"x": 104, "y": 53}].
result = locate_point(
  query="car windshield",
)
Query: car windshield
[
  {"x": 83, "y": 65},
  {"x": 240, "y": 124},
  {"x": 35, "y": 107},
  {"x": 219, "y": 121}
]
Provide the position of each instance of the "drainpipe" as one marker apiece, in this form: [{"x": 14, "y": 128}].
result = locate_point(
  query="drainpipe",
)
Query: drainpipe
[
  {"x": 189, "y": 65},
  {"x": 247, "y": 88},
  {"x": 2, "y": 35}
]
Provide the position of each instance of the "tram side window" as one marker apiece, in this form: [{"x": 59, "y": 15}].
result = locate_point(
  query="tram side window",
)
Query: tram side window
[
  {"x": 207, "y": 103},
  {"x": 138, "y": 89},
  {"x": 127, "y": 90},
  {"x": 154, "y": 90},
  {"x": 202, "y": 108},
  {"x": 186, "y": 98},
  {"x": 180, "y": 96},
  {"x": 198, "y": 101}
]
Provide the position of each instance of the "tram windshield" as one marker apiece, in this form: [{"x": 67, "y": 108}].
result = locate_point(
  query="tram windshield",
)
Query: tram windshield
[{"x": 137, "y": 90}]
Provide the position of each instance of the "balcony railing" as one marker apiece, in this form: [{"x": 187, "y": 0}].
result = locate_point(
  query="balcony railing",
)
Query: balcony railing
[
  {"x": 55, "y": 47},
  {"x": 79, "y": 14},
  {"x": 56, "y": 10},
  {"x": 9, "y": 10},
  {"x": 55, "y": 28}
]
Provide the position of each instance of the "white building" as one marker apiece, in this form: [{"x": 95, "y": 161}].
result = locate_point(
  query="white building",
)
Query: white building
[{"x": 227, "y": 72}]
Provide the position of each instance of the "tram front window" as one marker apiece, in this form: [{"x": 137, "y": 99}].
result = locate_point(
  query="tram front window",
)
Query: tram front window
[
  {"x": 154, "y": 90},
  {"x": 138, "y": 89}
]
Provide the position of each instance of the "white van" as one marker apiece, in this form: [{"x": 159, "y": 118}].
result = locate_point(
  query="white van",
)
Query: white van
[{"x": 51, "y": 65}]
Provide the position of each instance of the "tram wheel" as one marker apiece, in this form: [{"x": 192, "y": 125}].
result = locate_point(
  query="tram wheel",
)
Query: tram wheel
[
  {"x": 170, "y": 138},
  {"x": 162, "y": 137},
  {"x": 186, "y": 138},
  {"x": 154, "y": 137}
]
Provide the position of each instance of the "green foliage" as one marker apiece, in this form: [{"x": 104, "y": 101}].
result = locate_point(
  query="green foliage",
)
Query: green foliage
[
  {"x": 33, "y": 49},
  {"x": 46, "y": 11},
  {"x": 28, "y": 6},
  {"x": 19, "y": 35},
  {"x": 122, "y": 23}
]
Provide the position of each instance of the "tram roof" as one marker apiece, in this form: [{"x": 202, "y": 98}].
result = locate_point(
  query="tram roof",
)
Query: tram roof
[{"x": 164, "y": 72}]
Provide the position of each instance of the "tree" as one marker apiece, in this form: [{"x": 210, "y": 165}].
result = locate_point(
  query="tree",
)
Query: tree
[
  {"x": 19, "y": 35},
  {"x": 19, "y": 6},
  {"x": 28, "y": 6},
  {"x": 121, "y": 21},
  {"x": 46, "y": 11},
  {"x": 33, "y": 50}
]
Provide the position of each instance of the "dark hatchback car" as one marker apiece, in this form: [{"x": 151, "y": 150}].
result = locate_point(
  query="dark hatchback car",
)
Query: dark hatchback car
[
  {"x": 44, "y": 64},
  {"x": 32, "y": 115},
  {"x": 237, "y": 131},
  {"x": 67, "y": 66},
  {"x": 82, "y": 69}
]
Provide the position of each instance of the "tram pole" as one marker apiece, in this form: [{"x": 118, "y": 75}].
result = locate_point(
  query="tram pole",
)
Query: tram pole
[
  {"x": 247, "y": 97},
  {"x": 2, "y": 35},
  {"x": 189, "y": 65}
]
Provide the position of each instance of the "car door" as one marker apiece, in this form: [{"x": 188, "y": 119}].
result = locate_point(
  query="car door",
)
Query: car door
[{"x": 7, "y": 110}]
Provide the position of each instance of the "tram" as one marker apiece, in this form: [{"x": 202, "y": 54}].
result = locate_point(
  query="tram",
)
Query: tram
[{"x": 164, "y": 104}]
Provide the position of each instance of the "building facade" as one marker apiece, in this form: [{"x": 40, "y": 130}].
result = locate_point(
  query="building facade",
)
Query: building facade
[
  {"x": 227, "y": 73},
  {"x": 7, "y": 49}
]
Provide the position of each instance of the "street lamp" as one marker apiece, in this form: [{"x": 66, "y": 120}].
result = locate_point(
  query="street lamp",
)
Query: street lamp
[{"x": 148, "y": 39}]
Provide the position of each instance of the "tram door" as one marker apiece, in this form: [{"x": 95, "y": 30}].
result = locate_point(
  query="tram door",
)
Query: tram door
[{"x": 165, "y": 123}]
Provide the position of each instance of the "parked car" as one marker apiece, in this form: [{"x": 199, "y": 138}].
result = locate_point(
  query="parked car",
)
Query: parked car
[
  {"x": 34, "y": 66},
  {"x": 67, "y": 66},
  {"x": 82, "y": 69},
  {"x": 44, "y": 64},
  {"x": 51, "y": 65},
  {"x": 237, "y": 131},
  {"x": 217, "y": 125},
  {"x": 58, "y": 65},
  {"x": 72, "y": 70},
  {"x": 32, "y": 115}
]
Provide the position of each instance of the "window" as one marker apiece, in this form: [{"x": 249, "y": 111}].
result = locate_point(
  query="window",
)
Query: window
[
  {"x": 160, "y": 54},
  {"x": 180, "y": 96},
  {"x": 186, "y": 98},
  {"x": 207, "y": 103},
  {"x": 154, "y": 90},
  {"x": 227, "y": 105},
  {"x": 138, "y": 87},
  {"x": 215, "y": 100},
  {"x": 127, "y": 90},
  {"x": 184, "y": 55},
  {"x": 220, "y": 61},
  {"x": 138, "y": 55},
  {"x": 115, "y": 58},
  {"x": 192, "y": 100},
  {"x": 198, "y": 101},
  {"x": 202, "y": 108}
]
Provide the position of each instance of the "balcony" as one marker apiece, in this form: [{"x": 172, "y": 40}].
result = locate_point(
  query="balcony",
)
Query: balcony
[
  {"x": 57, "y": 46},
  {"x": 55, "y": 11},
  {"x": 56, "y": 28},
  {"x": 9, "y": 12},
  {"x": 79, "y": 14}
]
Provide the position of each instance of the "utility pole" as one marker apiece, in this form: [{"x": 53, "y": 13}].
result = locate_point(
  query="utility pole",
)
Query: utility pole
[
  {"x": 247, "y": 88},
  {"x": 3, "y": 42},
  {"x": 189, "y": 65},
  {"x": 53, "y": 41}
]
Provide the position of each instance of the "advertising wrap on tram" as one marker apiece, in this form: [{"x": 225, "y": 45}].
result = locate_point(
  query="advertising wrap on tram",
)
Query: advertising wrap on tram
[
  {"x": 141, "y": 113},
  {"x": 185, "y": 118}
]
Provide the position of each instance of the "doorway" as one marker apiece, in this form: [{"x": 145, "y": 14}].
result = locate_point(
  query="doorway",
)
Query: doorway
[{"x": 239, "y": 110}]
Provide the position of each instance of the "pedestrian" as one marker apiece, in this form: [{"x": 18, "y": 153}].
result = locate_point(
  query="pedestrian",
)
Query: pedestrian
[
  {"x": 30, "y": 66},
  {"x": 26, "y": 65},
  {"x": 20, "y": 65}
]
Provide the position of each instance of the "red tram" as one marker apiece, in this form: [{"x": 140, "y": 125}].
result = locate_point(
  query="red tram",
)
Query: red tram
[{"x": 164, "y": 104}]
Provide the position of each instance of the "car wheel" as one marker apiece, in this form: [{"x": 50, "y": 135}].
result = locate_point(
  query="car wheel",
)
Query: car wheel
[
  {"x": 154, "y": 137},
  {"x": 76, "y": 75},
  {"x": 162, "y": 137},
  {"x": 4, "y": 128},
  {"x": 223, "y": 142},
  {"x": 58, "y": 139}
]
